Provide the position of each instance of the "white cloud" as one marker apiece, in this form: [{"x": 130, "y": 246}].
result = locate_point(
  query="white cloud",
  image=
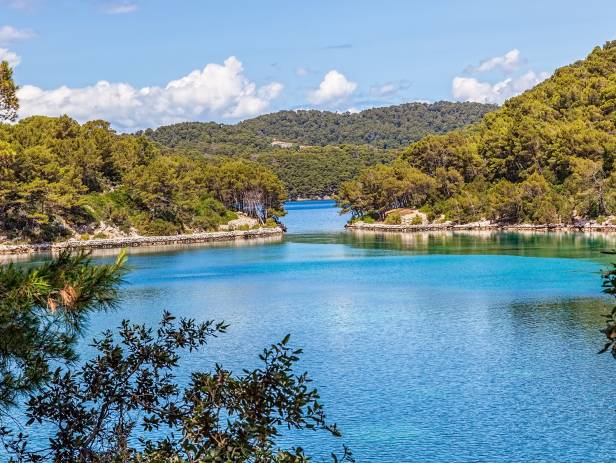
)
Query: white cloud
[
  {"x": 124, "y": 7},
  {"x": 301, "y": 72},
  {"x": 9, "y": 34},
  {"x": 334, "y": 87},
  {"x": 7, "y": 55},
  {"x": 215, "y": 91},
  {"x": 508, "y": 62},
  {"x": 471, "y": 89},
  {"x": 388, "y": 89}
]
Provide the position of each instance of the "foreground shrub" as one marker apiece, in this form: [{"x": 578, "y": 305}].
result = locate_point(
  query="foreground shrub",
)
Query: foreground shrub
[
  {"x": 126, "y": 404},
  {"x": 129, "y": 389}
]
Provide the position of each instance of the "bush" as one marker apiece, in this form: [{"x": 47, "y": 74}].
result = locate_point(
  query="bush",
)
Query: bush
[
  {"x": 160, "y": 227},
  {"x": 416, "y": 220},
  {"x": 393, "y": 219},
  {"x": 209, "y": 214},
  {"x": 230, "y": 215},
  {"x": 96, "y": 409}
]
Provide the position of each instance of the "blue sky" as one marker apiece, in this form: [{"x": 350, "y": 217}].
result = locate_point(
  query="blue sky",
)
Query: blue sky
[{"x": 140, "y": 63}]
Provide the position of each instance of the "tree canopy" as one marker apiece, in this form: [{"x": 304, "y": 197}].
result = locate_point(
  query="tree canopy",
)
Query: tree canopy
[
  {"x": 43, "y": 310},
  {"x": 9, "y": 104},
  {"x": 386, "y": 127},
  {"x": 58, "y": 178},
  {"x": 546, "y": 156},
  {"x": 339, "y": 145}
]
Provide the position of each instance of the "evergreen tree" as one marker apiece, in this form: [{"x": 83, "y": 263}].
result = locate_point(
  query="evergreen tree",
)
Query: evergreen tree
[
  {"x": 9, "y": 104},
  {"x": 43, "y": 310},
  {"x": 546, "y": 156},
  {"x": 105, "y": 409}
]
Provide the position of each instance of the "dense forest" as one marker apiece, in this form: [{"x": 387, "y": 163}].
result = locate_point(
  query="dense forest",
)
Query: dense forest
[
  {"x": 60, "y": 177},
  {"x": 546, "y": 156},
  {"x": 319, "y": 171},
  {"x": 209, "y": 138},
  {"x": 318, "y": 168},
  {"x": 387, "y": 127}
]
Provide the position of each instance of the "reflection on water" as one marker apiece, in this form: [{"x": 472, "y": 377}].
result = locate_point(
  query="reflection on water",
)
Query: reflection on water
[
  {"x": 570, "y": 315},
  {"x": 526, "y": 243},
  {"x": 157, "y": 249}
]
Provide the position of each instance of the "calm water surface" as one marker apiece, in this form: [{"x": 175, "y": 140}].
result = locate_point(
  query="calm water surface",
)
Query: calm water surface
[{"x": 427, "y": 347}]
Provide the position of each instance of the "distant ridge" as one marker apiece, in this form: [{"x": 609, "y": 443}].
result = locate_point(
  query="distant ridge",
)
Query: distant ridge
[{"x": 385, "y": 127}]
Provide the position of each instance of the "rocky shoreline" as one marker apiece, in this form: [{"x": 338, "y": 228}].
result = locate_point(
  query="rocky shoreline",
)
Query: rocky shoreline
[
  {"x": 483, "y": 226},
  {"x": 140, "y": 241},
  {"x": 311, "y": 198}
]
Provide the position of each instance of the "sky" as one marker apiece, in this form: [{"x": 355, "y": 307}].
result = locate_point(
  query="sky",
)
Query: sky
[{"x": 146, "y": 63}]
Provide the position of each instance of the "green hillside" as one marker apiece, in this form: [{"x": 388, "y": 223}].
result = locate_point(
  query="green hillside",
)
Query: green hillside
[
  {"x": 387, "y": 127},
  {"x": 370, "y": 137},
  {"x": 544, "y": 156},
  {"x": 59, "y": 178}
]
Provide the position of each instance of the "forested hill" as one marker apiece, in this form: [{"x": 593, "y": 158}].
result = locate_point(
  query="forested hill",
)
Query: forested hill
[
  {"x": 339, "y": 145},
  {"x": 61, "y": 179},
  {"x": 387, "y": 127},
  {"x": 546, "y": 156}
]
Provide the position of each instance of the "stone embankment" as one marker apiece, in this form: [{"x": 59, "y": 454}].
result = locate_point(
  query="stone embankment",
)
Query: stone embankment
[
  {"x": 140, "y": 241},
  {"x": 481, "y": 226}
]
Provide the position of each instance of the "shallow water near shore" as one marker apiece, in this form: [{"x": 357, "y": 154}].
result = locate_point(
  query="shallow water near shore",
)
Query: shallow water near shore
[{"x": 445, "y": 346}]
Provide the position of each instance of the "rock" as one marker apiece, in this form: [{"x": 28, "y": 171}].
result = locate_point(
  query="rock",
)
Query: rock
[
  {"x": 242, "y": 221},
  {"x": 139, "y": 241}
]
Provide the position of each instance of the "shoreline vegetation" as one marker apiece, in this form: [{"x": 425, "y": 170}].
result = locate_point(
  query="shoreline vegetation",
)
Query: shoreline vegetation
[
  {"x": 482, "y": 226},
  {"x": 312, "y": 152},
  {"x": 60, "y": 178},
  {"x": 547, "y": 156},
  {"x": 140, "y": 241}
]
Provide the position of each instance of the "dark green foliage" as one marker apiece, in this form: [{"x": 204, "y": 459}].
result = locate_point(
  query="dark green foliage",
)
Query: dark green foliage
[
  {"x": 609, "y": 287},
  {"x": 42, "y": 312},
  {"x": 58, "y": 178},
  {"x": 319, "y": 171},
  {"x": 546, "y": 156},
  {"x": 104, "y": 410},
  {"x": 367, "y": 138},
  {"x": 385, "y": 187},
  {"x": 209, "y": 138},
  {"x": 387, "y": 127},
  {"x": 9, "y": 104}
]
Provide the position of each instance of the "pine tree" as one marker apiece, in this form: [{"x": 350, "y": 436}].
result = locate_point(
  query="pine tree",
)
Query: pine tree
[
  {"x": 9, "y": 104},
  {"x": 42, "y": 314}
]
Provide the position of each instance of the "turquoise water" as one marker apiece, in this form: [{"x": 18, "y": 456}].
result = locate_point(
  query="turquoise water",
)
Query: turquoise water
[{"x": 428, "y": 347}]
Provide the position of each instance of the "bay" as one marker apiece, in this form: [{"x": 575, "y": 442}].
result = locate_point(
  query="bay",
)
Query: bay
[{"x": 425, "y": 347}]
